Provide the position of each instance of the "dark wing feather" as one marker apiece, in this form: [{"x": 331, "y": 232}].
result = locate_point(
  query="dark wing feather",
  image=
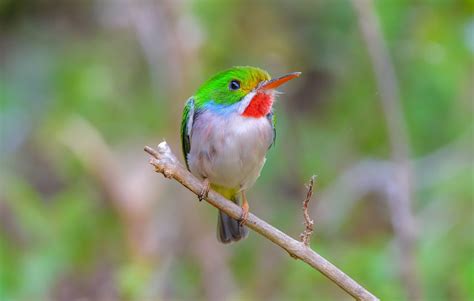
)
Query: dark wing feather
[
  {"x": 271, "y": 119},
  {"x": 186, "y": 128}
]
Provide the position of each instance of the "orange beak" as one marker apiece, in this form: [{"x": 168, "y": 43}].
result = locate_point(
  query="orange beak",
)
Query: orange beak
[{"x": 276, "y": 82}]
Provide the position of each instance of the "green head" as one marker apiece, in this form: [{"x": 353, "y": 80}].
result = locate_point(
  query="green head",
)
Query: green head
[{"x": 232, "y": 85}]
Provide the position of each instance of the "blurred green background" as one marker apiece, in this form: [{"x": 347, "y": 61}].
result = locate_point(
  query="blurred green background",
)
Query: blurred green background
[{"x": 86, "y": 84}]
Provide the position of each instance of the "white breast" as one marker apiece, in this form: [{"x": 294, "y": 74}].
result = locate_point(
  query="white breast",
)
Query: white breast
[{"x": 229, "y": 151}]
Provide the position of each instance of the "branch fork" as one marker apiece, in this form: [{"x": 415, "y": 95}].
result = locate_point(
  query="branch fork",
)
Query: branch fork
[{"x": 163, "y": 159}]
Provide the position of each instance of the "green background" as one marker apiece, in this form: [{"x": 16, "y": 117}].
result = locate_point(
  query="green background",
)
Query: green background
[{"x": 84, "y": 85}]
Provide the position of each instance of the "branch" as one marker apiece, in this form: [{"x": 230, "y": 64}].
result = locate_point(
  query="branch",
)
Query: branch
[
  {"x": 308, "y": 222},
  {"x": 400, "y": 201},
  {"x": 165, "y": 162}
]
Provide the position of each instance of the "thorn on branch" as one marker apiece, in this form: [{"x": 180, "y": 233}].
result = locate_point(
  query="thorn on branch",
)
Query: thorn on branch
[{"x": 308, "y": 222}]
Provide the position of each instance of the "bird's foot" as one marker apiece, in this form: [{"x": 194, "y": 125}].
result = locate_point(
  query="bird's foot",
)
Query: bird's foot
[
  {"x": 243, "y": 217},
  {"x": 245, "y": 211},
  {"x": 205, "y": 190}
]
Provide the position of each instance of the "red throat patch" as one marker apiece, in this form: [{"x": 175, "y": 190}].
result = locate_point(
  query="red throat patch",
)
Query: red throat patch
[{"x": 259, "y": 106}]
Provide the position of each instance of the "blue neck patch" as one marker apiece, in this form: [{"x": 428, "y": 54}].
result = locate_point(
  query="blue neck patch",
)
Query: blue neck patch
[{"x": 221, "y": 109}]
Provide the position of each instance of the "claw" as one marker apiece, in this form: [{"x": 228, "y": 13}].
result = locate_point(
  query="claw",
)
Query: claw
[
  {"x": 205, "y": 190},
  {"x": 245, "y": 211},
  {"x": 243, "y": 217}
]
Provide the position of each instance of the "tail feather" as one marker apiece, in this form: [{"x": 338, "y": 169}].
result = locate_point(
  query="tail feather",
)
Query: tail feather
[{"x": 229, "y": 229}]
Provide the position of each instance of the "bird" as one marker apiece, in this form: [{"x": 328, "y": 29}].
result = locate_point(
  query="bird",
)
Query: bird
[{"x": 226, "y": 130}]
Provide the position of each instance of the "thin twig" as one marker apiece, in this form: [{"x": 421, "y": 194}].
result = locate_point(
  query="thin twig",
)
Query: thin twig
[
  {"x": 165, "y": 162},
  {"x": 308, "y": 222}
]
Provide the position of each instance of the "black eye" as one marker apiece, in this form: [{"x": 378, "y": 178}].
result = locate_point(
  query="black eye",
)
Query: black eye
[{"x": 234, "y": 85}]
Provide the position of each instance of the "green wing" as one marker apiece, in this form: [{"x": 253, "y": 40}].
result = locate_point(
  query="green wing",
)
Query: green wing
[{"x": 186, "y": 127}]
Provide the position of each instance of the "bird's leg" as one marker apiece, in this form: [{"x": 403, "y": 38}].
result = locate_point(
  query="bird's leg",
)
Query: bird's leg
[
  {"x": 205, "y": 189},
  {"x": 245, "y": 210}
]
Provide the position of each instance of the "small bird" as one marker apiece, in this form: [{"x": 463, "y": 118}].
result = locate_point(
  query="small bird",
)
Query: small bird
[{"x": 227, "y": 128}]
